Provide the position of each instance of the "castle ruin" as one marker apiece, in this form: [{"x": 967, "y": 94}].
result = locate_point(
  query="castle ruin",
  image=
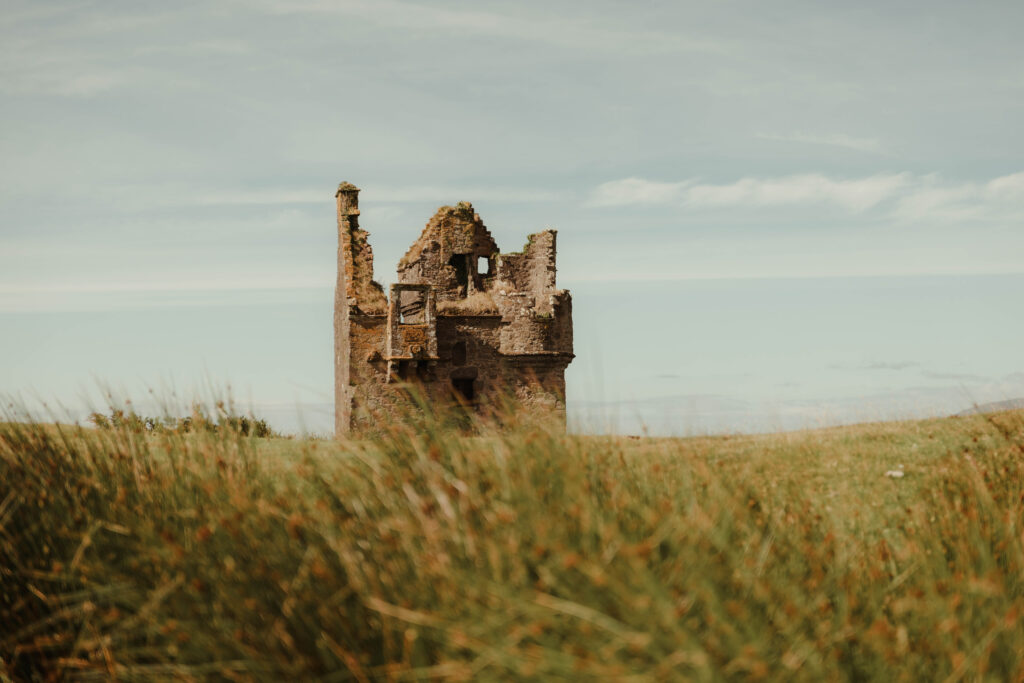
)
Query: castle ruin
[{"x": 464, "y": 323}]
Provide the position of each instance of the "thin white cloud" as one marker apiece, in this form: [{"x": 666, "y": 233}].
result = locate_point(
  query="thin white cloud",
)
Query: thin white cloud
[
  {"x": 638, "y": 191},
  {"x": 1007, "y": 186},
  {"x": 857, "y": 195},
  {"x": 570, "y": 31},
  {"x": 934, "y": 199},
  {"x": 903, "y": 196},
  {"x": 830, "y": 140}
]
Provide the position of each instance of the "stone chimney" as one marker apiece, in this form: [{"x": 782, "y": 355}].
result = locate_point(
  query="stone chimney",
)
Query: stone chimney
[{"x": 348, "y": 201}]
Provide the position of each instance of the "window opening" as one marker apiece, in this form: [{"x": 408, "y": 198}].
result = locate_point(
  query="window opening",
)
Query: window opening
[
  {"x": 458, "y": 262},
  {"x": 459, "y": 353},
  {"x": 483, "y": 266},
  {"x": 412, "y": 306}
]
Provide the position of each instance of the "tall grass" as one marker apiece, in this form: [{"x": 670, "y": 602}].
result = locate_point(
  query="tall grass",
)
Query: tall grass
[{"x": 526, "y": 553}]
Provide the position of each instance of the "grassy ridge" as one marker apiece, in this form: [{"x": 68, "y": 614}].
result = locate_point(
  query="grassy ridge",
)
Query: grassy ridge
[{"x": 526, "y": 554}]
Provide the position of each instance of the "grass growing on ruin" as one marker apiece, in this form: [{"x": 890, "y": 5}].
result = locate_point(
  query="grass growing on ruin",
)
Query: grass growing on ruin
[{"x": 527, "y": 554}]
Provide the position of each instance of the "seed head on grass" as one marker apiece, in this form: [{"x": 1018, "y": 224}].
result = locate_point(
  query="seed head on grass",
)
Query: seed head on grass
[{"x": 435, "y": 549}]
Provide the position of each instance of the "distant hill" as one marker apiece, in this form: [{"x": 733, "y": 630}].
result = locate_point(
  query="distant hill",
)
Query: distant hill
[{"x": 995, "y": 407}]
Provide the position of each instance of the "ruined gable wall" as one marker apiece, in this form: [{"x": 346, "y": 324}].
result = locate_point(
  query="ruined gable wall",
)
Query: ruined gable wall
[
  {"x": 453, "y": 230},
  {"x": 533, "y": 269},
  {"x": 539, "y": 316}
]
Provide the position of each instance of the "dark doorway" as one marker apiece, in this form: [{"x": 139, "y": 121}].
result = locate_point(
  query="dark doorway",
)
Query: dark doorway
[
  {"x": 424, "y": 373},
  {"x": 403, "y": 370},
  {"x": 463, "y": 387}
]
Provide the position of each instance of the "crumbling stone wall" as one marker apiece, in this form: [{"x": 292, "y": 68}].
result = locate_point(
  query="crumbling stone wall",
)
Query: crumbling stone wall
[{"x": 463, "y": 323}]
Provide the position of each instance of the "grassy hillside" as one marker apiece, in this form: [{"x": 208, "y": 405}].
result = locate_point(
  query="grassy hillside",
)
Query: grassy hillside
[{"x": 527, "y": 554}]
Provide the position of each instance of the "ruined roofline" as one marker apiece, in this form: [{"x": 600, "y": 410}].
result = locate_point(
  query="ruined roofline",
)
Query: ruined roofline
[{"x": 462, "y": 210}]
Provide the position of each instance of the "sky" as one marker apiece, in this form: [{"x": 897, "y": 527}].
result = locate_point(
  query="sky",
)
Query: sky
[{"x": 841, "y": 173}]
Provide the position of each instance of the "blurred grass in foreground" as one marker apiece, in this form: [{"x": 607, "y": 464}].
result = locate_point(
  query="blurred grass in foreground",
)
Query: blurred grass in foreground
[{"x": 422, "y": 553}]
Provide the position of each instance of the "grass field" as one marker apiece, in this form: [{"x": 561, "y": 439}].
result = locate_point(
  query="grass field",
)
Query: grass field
[{"x": 526, "y": 554}]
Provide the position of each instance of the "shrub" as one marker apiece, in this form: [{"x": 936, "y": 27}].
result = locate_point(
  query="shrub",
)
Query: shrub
[{"x": 199, "y": 420}]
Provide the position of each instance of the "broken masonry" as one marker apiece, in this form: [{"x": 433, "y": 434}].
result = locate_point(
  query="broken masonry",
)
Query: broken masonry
[{"x": 464, "y": 322}]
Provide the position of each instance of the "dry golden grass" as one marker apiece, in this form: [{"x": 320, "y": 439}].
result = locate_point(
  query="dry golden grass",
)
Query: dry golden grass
[
  {"x": 478, "y": 303},
  {"x": 525, "y": 554}
]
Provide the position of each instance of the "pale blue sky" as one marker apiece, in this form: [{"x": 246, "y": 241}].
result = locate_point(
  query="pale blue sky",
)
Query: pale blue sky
[{"x": 164, "y": 161}]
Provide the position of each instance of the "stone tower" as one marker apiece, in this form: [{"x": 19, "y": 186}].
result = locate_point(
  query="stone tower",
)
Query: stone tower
[{"x": 464, "y": 323}]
